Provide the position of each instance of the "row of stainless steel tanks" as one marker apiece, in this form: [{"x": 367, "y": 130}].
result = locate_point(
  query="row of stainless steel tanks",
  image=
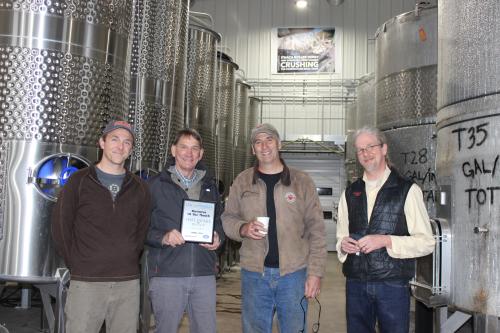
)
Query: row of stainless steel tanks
[
  {"x": 68, "y": 67},
  {"x": 436, "y": 96}
]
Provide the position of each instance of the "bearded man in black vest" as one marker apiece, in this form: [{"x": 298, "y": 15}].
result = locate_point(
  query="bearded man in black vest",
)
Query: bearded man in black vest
[{"x": 383, "y": 226}]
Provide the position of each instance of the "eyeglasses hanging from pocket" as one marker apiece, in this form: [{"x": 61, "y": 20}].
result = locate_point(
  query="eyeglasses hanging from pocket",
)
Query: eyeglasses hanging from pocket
[{"x": 315, "y": 326}]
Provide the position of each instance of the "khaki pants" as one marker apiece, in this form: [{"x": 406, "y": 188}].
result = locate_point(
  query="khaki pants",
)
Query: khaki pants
[{"x": 89, "y": 304}]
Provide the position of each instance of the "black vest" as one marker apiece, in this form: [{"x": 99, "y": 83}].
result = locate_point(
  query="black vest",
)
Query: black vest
[{"x": 388, "y": 218}]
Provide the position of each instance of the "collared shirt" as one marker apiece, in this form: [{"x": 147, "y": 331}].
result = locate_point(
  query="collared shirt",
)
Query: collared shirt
[
  {"x": 185, "y": 181},
  {"x": 419, "y": 243},
  {"x": 193, "y": 187}
]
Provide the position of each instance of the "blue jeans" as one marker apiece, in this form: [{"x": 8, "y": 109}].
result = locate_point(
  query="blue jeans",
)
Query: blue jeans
[
  {"x": 388, "y": 302},
  {"x": 264, "y": 293}
]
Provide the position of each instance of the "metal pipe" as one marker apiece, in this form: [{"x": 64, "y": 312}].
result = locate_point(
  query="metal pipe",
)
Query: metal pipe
[
  {"x": 199, "y": 17},
  {"x": 335, "y": 2},
  {"x": 197, "y": 21},
  {"x": 241, "y": 73}
]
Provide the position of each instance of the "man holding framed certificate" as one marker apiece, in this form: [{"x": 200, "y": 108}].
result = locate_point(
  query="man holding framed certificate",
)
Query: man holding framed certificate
[{"x": 184, "y": 233}]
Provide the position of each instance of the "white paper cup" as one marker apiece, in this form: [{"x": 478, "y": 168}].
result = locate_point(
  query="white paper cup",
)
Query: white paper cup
[{"x": 265, "y": 221}]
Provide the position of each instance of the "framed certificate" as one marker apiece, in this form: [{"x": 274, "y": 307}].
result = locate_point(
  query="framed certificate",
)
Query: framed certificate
[{"x": 197, "y": 224}]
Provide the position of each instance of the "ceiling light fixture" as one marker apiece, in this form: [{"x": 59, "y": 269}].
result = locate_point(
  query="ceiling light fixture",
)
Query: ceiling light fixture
[{"x": 301, "y": 4}]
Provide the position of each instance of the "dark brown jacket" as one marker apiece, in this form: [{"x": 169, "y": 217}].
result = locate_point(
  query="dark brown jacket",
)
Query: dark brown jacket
[{"x": 101, "y": 239}]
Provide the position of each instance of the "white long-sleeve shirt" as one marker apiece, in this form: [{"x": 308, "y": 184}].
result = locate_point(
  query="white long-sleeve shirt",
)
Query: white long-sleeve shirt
[{"x": 420, "y": 242}]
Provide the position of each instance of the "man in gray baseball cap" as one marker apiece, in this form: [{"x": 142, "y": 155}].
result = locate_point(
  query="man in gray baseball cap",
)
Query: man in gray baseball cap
[
  {"x": 264, "y": 128},
  {"x": 280, "y": 267}
]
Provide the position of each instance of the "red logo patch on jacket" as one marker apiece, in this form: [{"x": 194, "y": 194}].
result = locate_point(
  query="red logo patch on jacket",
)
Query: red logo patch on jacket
[
  {"x": 356, "y": 194},
  {"x": 290, "y": 197}
]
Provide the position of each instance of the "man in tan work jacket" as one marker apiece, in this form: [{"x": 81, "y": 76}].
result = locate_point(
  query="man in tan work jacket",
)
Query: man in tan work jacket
[{"x": 283, "y": 263}]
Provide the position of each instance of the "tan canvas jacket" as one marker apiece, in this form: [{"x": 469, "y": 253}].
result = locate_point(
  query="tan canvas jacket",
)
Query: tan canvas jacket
[{"x": 299, "y": 223}]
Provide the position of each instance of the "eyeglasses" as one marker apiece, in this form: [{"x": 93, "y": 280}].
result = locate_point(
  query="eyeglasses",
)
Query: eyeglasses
[
  {"x": 368, "y": 149},
  {"x": 315, "y": 326}
]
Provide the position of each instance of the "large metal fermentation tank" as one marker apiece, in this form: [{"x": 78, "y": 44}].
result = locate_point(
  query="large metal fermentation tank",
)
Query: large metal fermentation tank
[
  {"x": 200, "y": 88},
  {"x": 63, "y": 75},
  {"x": 254, "y": 114},
  {"x": 352, "y": 168},
  {"x": 468, "y": 151},
  {"x": 365, "y": 101},
  {"x": 225, "y": 120},
  {"x": 241, "y": 123},
  {"x": 406, "y": 58},
  {"x": 406, "y": 90},
  {"x": 364, "y": 115},
  {"x": 413, "y": 151},
  {"x": 158, "y": 73}
]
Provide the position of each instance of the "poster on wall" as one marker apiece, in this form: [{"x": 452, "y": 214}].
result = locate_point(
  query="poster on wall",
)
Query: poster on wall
[{"x": 303, "y": 50}]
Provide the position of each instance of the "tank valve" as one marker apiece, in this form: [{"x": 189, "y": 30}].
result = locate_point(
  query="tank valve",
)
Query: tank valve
[{"x": 478, "y": 230}]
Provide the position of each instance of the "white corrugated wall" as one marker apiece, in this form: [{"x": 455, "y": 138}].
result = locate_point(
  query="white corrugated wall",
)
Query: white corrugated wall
[{"x": 246, "y": 26}]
